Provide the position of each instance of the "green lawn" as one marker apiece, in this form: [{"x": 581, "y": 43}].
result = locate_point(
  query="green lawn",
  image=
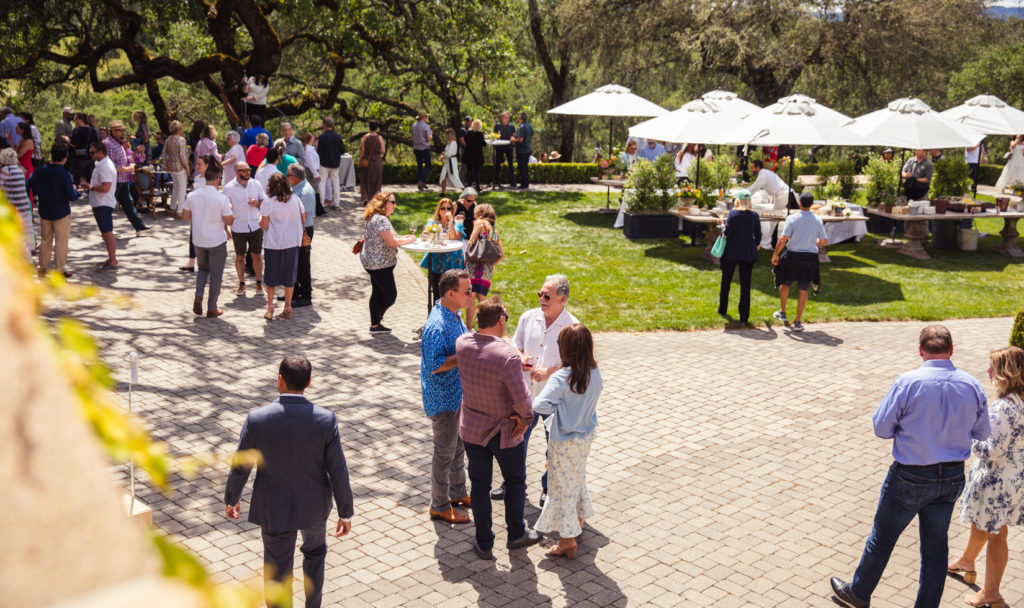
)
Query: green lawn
[{"x": 619, "y": 285}]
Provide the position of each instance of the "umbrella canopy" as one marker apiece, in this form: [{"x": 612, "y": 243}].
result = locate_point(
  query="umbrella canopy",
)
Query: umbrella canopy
[
  {"x": 610, "y": 100},
  {"x": 987, "y": 114},
  {"x": 697, "y": 121},
  {"x": 908, "y": 122},
  {"x": 796, "y": 120}
]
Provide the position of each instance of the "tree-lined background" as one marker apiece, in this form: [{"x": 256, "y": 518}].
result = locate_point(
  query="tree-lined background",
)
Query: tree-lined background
[{"x": 389, "y": 59}]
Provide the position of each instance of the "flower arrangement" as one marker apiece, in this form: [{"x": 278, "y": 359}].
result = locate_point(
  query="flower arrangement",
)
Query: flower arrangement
[
  {"x": 1017, "y": 189},
  {"x": 692, "y": 195}
]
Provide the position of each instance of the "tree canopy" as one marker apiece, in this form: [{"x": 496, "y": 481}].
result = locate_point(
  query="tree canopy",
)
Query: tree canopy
[{"x": 389, "y": 59}]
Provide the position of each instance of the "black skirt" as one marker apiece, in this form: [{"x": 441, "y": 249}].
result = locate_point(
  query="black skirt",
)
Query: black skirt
[{"x": 281, "y": 267}]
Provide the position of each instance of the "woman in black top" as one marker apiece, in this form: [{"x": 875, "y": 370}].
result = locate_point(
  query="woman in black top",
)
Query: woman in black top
[
  {"x": 742, "y": 237},
  {"x": 466, "y": 209},
  {"x": 473, "y": 153}
]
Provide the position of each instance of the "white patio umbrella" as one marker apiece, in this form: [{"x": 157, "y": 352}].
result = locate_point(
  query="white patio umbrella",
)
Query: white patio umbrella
[
  {"x": 909, "y": 122},
  {"x": 611, "y": 100},
  {"x": 796, "y": 120},
  {"x": 697, "y": 121},
  {"x": 987, "y": 114}
]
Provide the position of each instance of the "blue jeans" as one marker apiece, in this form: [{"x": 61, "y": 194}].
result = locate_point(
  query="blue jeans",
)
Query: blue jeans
[
  {"x": 929, "y": 493},
  {"x": 279, "y": 558},
  {"x": 123, "y": 194},
  {"x": 526, "y": 444},
  {"x": 512, "y": 462},
  {"x": 422, "y": 165}
]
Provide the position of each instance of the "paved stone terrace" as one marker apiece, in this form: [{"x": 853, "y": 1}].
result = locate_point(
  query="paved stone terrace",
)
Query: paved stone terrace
[{"x": 731, "y": 468}]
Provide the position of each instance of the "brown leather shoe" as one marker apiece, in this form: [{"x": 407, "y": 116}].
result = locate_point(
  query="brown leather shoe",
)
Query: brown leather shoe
[
  {"x": 214, "y": 313},
  {"x": 451, "y": 516},
  {"x": 197, "y": 306},
  {"x": 464, "y": 501}
]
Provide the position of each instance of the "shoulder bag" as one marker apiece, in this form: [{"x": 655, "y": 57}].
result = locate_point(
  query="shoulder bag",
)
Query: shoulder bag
[{"x": 483, "y": 251}]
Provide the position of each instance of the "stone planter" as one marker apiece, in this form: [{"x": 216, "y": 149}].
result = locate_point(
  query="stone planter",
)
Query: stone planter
[{"x": 650, "y": 225}]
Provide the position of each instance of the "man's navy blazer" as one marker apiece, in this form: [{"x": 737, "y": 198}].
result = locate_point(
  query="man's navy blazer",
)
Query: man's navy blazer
[{"x": 301, "y": 466}]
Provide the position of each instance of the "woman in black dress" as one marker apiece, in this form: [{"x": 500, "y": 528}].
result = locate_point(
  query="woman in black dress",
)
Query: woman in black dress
[
  {"x": 742, "y": 236},
  {"x": 473, "y": 153}
]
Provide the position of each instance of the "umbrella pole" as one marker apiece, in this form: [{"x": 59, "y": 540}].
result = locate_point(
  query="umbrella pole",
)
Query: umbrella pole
[
  {"x": 790, "y": 178},
  {"x": 609, "y": 138},
  {"x": 899, "y": 174}
]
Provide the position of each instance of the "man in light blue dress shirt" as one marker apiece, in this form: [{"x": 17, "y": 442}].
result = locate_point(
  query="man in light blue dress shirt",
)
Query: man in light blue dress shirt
[
  {"x": 932, "y": 414},
  {"x": 651, "y": 151}
]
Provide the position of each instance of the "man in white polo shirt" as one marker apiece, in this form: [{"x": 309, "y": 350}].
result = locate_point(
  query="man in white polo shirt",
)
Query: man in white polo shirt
[
  {"x": 210, "y": 214},
  {"x": 102, "y": 199},
  {"x": 536, "y": 338},
  {"x": 246, "y": 195},
  {"x": 802, "y": 234}
]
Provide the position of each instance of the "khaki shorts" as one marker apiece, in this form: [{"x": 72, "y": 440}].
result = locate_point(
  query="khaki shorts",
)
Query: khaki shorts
[{"x": 253, "y": 241}]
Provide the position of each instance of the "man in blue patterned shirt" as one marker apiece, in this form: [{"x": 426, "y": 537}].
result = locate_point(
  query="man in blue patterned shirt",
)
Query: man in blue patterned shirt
[{"x": 442, "y": 395}]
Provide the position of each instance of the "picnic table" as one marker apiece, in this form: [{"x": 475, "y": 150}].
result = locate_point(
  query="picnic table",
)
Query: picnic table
[
  {"x": 774, "y": 215},
  {"x": 916, "y": 230}
]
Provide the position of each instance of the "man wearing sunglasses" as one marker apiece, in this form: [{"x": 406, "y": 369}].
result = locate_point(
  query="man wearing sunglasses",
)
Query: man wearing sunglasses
[
  {"x": 246, "y": 196},
  {"x": 536, "y": 339}
]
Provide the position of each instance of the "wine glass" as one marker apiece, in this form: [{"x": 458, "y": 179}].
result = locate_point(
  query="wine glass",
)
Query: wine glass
[{"x": 412, "y": 228}]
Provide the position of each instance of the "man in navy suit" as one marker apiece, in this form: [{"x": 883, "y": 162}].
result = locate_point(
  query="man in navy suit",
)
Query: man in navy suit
[{"x": 300, "y": 465}]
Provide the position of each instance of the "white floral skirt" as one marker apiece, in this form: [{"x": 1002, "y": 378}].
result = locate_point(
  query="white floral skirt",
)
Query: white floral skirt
[{"x": 568, "y": 498}]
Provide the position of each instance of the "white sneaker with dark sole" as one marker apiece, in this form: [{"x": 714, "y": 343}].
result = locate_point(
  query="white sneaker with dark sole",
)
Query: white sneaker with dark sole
[{"x": 779, "y": 316}]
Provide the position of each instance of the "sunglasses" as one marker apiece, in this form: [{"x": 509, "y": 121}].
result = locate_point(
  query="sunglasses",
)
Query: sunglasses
[
  {"x": 446, "y": 208},
  {"x": 544, "y": 296}
]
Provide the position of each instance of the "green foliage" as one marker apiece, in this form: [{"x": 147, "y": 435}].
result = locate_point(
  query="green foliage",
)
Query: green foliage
[
  {"x": 1017, "y": 333},
  {"x": 717, "y": 174},
  {"x": 647, "y": 188},
  {"x": 540, "y": 173},
  {"x": 997, "y": 70},
  {"x": 843, "y": 172},
  {"x": 952, "y": 177},
  {"x": 883, "y": 180}
]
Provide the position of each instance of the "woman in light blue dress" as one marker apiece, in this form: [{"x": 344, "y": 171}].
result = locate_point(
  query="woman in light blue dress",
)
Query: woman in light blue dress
[
  {"x": 994, "y": 497},
  {"x": 570, "y": 400}
]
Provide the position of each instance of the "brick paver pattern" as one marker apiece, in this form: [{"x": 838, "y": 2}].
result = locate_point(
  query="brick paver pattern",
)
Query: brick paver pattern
[{"x": 732, "y": 468}]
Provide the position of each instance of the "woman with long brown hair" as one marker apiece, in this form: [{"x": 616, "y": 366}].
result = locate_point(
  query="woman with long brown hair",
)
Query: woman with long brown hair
[
  {"x": 283, "y": 233},
  {"x": 994, "y": 497},
  {"x": 570, "y": 401}
]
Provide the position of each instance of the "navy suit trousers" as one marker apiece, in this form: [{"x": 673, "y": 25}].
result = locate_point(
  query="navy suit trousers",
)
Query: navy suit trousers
[{"x": 278, "y": 561}]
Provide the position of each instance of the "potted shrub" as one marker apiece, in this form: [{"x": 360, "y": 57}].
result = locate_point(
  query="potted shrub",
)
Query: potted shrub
[
  {"x": 1017, "y": 333},
  {"x": 648, "y": 196},
  {"x": 883, "y": 182}
]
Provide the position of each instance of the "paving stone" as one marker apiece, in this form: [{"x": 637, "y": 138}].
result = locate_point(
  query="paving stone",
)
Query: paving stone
[{"x": 731, "y": 468}]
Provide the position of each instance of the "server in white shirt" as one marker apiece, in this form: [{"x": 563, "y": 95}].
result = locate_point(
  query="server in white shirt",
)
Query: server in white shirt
[
  {"x": 536, "y": 338},
  {"x": 102, "y": 199},
  {"x": 781, "y": 195},
  {"x": 246, "y": 195},
  {"x": 209, "y": 211}
]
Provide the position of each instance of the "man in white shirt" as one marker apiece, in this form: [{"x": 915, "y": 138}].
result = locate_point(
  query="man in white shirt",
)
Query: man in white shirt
[
  {"x": 974, "y": 156},
  {"x": 269, "y": 168},
  {"x": 210, "y": 214},
  {"x": 245, "y": 196},
  {"x": 536, "y": 339},
  {"x": 767, "y": 180},
  {"x": 102, "y": 199}
]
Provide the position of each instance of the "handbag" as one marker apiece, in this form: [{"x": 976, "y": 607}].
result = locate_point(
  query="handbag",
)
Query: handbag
[
  {"x": 358, "y": 246},
  {"x": 364, "y": 163},
  {"x": 719, "y": 247},
  {"x": 484, "y": 251}
]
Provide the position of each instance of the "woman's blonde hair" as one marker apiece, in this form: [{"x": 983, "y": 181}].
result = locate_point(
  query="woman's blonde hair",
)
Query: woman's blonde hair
[
  {"x": 377, "y": 204},
  {"x": 8, "y": 157},
  {"x": 262, "y": 139},
  {"x": 1008, "y": 371},
  {"x": 476, "y": 125},
  {"x": 437, "y": 210},
  {"x": 744, "y": 204},
  {"x": 175, "y": 127}
]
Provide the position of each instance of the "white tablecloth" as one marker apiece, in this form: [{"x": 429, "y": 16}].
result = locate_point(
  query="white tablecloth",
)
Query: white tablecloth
[
  {"x": 838, "y": 232},
  {"x": 346, "y": 176}
]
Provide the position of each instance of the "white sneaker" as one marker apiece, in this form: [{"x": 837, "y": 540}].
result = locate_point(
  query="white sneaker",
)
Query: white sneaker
[{"x": 779, "y": 315}]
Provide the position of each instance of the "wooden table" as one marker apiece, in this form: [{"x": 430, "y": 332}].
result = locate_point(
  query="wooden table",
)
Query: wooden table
[
  {"x": 916, "y": 231},
  {"x": 714, "y": 230},
  {"x": 609, "y": 183}
]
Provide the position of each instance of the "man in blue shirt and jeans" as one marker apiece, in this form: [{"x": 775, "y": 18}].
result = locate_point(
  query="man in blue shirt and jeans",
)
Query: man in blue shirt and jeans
[
  {"x": 442, "y": 395},
  {"x": 931, "y": 414}
]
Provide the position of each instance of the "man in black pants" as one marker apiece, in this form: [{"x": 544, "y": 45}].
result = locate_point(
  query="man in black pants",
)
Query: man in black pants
[
  {"x": 523, "y": 140},
  {"x": 505, "y": 131}
]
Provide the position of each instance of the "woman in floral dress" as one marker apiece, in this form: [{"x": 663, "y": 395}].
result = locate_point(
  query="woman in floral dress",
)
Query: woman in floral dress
[
  {"x": 570, "y": 397},
  {"x": 994, "y": 498}
]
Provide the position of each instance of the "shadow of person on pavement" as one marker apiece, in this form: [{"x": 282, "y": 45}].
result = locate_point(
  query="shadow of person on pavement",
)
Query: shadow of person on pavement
[
  {"x": 495, "y": 585},
  {"x": 813, "y": 337},
  {"x": 578, "y": 576}
]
